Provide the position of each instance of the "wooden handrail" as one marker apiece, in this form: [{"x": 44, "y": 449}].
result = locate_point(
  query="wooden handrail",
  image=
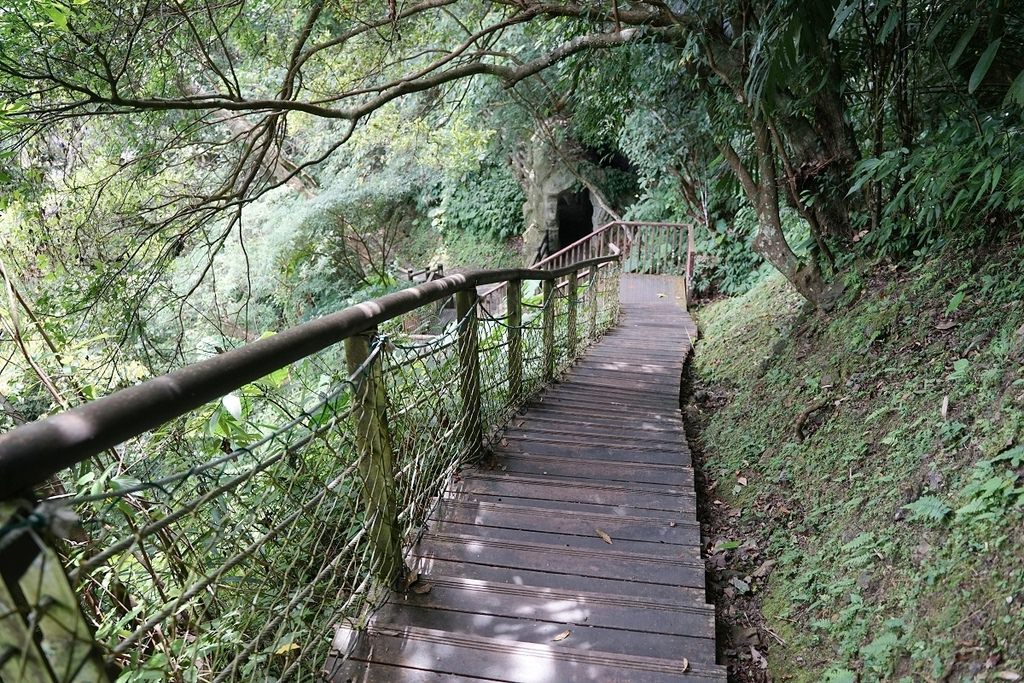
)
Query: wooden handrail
[
  {"x": 32, "y": 453},
  {"x": 573, "y": 251}
]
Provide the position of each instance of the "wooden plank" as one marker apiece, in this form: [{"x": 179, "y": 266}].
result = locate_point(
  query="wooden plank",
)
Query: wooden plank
[
  {"x": 598, "y": 447},
  {"x": 554, "y": 489},
  {"x": 578, "y": 434},
  {"x": 554, "y": 412},
  {"x": 576, "y": 400},
  {"x": 523, "y": 630},
  {"x": 495, "y": 660},
  {"x": 561, "y": 560},
  {"x": 550, "y": 605},
  {"x": 586, "y": 469},
  {"x": 621, "y": 400},
  {"x": 550, "y": 448},
  {"x": 598, "y": 423},
  {"x": 586, "y": 536},
  {"x": 624, "y": 527}
]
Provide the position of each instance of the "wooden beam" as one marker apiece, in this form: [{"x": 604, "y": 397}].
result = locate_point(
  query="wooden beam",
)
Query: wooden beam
[
  {"x": 514, "y": 303},
  {"x": 548, "y": 325},
  {"x": 469, "y": 370},
  {"x": 376, "y": 460},
  {"x": 572, "y": 316}
]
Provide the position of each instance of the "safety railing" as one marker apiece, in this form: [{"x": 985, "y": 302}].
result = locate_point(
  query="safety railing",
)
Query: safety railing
[
  {"x": 217, "y": 523},
  {"x": 646, "y": 247}
]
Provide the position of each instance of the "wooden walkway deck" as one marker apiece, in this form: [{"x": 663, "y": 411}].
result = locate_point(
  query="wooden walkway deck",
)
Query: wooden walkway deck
[{"x": 524, "y": 585}]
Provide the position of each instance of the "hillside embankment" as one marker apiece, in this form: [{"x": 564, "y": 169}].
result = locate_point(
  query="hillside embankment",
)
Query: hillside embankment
[{"x": 864, "y": 473}]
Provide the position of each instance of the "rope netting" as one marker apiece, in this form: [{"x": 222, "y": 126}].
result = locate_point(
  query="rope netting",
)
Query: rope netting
[{"x": 228, "y": 544}]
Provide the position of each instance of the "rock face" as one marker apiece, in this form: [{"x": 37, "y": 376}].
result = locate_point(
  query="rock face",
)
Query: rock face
[{"x": 558, "y": 204}]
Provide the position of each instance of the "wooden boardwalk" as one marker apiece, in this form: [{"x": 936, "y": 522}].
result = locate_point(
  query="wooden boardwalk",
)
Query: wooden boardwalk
[{"x": 524, "y": 585}]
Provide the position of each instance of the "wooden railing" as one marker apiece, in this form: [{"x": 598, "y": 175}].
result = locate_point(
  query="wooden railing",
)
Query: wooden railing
[
  {"x": 645, "y": 247},
  {"x": 216, "y": 522}
]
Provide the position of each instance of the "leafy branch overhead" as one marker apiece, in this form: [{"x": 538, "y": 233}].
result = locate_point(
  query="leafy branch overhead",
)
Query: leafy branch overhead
[{"x": 243, "y": 69}]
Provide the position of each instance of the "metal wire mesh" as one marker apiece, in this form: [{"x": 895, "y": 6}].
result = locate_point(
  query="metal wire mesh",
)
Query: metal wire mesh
[{"x": 228, "y": 544}]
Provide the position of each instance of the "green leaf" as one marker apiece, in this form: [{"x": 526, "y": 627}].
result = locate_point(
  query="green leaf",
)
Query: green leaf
[
  {"x": 840, "y": 676},
  {"x": 955, "y": 302},
  {"x": 843, "y": 13},
  {"x": 888, "y": 27},
  {"x": 961, "y": 44},
  {"x": 981, "y": 68},
  {"x": 928, "y": 508},
  {"x": 58, "y": 16},
  {"x": 940, "y": 24},
  {"x": 1015, "y": 456},
  {"x": 1016, "y": 92}
]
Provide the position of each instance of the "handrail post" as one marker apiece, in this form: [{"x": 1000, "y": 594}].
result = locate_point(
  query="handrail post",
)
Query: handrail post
[
  {"x": 571, "y": 317},
  {"x": 376, "y": 462},
  {"x": 469, "y": 369},
  {"x": 514, "y": 304},
  {"x": 548, "y": 323},
  {"x": 594, "y": 296},
  {"x": 44, "y": 636}
]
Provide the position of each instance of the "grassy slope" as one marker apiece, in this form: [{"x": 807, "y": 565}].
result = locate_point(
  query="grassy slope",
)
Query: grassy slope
[{"x": 865, "y": 588}]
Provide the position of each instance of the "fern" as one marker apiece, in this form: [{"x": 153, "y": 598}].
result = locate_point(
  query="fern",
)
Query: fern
[{"x": 928, "y": 508}]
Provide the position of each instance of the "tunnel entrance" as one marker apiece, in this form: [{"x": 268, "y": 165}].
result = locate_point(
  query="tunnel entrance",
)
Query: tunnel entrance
[{"x": 575, "y": 216}]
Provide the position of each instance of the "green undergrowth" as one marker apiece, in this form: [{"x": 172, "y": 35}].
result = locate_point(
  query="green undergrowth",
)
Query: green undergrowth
[
  {"x": 426, "y": 245},
  {"x": 882, "y": 452}
]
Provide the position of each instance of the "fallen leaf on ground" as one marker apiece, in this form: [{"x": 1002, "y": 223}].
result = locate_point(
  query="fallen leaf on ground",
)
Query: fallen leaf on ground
[
  {"x": 686, "y": 665},
  {"x": 947, "y": 325},
  {"x": 604, "y": 537},
  {"x": 758, "y": 658},
  {"x": 763, "y": 570},
  {"x": 422, "y": 588},
  {"x": 945, "y": 407},
  {"x": 740, "y": 585},
  {"x": 562, "y": 636},
  {"x": 742, "y": 481},
  {"x": 1008, "y": 676},
  {"x": 409, "y": 579}
]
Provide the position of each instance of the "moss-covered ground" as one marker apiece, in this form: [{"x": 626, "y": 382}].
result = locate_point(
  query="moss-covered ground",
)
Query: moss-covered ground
[{"x": 869, "y": 466}]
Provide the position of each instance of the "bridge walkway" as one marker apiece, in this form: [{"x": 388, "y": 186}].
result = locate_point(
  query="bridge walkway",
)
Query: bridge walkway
[{"x": 574, "y": 553}]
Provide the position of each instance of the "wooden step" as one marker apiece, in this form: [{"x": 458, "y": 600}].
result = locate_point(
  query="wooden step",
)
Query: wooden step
[
  {"x": 399, "y": 655},
  {"x": 515, "y": 462},
  {"x": 596, "y": 404},
  {"x": 558, "y": 489},
  {"x": 620, "y": 528},
  {"x": 558, "y": 559},
  {"x": 587, "y": 433},
  {"x": 585, "y": 416},
  {"x": 620, "y": 452}
]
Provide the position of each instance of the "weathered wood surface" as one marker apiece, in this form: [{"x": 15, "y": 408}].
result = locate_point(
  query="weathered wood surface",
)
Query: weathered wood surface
[{"x": 515, "y": 555}]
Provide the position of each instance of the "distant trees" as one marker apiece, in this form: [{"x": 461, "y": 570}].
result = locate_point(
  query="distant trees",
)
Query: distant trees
[{"x": 815, "y": 110}]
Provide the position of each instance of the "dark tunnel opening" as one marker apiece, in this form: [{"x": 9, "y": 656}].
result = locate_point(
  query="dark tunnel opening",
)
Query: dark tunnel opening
[{"x": 575, "y": 216}]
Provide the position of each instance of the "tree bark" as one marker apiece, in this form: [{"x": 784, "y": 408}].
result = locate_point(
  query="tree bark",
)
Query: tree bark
[{"x": 770, "y": 240}]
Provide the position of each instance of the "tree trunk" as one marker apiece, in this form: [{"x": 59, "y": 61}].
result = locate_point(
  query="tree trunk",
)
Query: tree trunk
[
  {"x": 770, "y": 240},
  {"x": 825, "y": 149}
]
